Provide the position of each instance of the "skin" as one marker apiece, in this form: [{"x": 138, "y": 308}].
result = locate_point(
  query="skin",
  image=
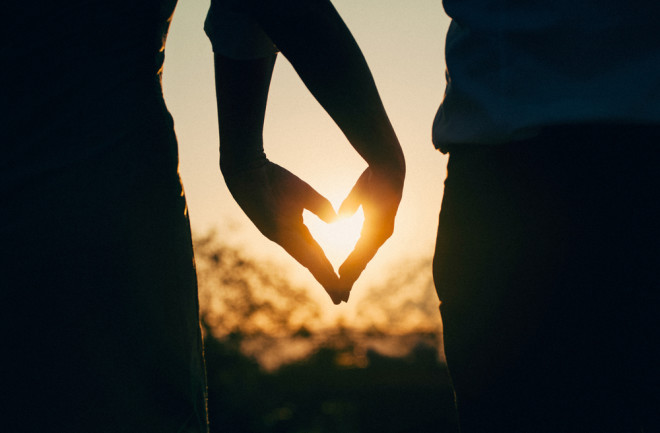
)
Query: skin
[{"x": 313, "y": 37}]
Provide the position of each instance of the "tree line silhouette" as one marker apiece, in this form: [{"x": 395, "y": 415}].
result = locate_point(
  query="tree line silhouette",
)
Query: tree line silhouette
[{"x": 338, "y": 381}]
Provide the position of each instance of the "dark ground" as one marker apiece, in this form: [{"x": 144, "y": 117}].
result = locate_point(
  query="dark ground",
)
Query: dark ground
[{"x": 325, "y": 393}]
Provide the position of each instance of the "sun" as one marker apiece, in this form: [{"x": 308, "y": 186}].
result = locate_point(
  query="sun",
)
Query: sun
[{"x": 338, "y": 238}]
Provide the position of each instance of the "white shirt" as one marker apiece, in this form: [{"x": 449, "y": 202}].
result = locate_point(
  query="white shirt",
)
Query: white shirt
[{"x": 515, "y": 66}]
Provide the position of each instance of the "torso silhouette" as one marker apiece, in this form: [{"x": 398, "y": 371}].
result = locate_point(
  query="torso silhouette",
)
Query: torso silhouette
[{"x": 99, "y": 298}]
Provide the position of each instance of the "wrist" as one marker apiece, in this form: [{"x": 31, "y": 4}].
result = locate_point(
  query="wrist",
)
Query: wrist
[
  {"x": 389, "y": 161},
  {"x": 231, "y": 165},
  {"x": 380, "y": 149}
]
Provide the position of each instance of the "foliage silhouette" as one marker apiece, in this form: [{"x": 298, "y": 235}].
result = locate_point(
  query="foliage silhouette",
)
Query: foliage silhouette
[
  {"x": 322, "y": 393},
  {"x": 406, "y": 300},
  {"x": 238, "y": 295},
  {"x": 341, "y": 385}
]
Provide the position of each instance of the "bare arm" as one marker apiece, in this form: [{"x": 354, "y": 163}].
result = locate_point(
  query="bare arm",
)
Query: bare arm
[
  {"x": 316, "y": 41},
  {"x": 271, "y": 196},
  {"x": 314, "y": 38}
]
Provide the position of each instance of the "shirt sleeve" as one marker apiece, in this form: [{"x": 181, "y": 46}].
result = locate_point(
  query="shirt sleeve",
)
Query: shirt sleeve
[{"x": 234, "y": 33}]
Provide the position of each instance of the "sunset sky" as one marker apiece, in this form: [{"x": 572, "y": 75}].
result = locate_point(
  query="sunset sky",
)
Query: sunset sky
[{"x": 403, "y": 43}]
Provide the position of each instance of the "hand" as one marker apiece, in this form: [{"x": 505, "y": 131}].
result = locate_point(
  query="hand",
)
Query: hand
[
  {"x": 379, "y": 193},
  {"x": 274, "y": 198}
]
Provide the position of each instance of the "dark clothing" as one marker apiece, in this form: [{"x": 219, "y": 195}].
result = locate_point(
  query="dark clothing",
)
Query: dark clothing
[
  {"x": 546, "y": 266},
  {"x": 100, "y": 324},
  {"x": 515, "y": 67}
]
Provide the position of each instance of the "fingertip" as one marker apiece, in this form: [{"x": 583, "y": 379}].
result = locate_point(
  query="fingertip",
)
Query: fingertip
[
  {"x": 328, "y": 214},
  {"x": 334, "y": 296},
  {"x": 322, "y": 208},
  {"x": 338, "y": 292},
  {"x": 314, "y": 202}
]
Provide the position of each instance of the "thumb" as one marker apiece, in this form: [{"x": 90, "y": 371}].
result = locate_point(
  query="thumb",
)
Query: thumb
[
  {"x": 318, "y": 205},
  {"x": 311, "y": 200},
  {"x": 353, "y": 201}
]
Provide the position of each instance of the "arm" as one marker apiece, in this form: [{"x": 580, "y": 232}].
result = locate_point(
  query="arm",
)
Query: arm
[
  {"x": 272, "y": 197},
  {"x": 313, "y": 37}
]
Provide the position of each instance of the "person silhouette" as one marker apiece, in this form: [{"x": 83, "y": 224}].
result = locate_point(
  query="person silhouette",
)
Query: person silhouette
[
  {"x": 547, "y": 245},
  {"x": 100, "y": 321}
]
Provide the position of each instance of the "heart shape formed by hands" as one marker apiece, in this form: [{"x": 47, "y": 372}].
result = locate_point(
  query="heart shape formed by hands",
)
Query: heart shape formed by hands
[
  {"x": 337, "y": 238},
  {"x": 275, "y": 199}
]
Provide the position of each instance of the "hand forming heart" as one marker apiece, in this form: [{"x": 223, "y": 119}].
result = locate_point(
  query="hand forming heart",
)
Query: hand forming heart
[
  {"x": 379, "y": 193},
  {"x": 274, "y": 199}
]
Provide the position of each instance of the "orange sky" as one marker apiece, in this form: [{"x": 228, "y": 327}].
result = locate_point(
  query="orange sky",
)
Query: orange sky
[{"x": 403, "y": 43}]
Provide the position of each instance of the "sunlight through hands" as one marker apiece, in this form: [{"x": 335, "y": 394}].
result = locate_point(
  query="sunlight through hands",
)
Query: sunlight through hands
[
  {"x": 337, "y": 238},
  {"x": 274, "y": 199}
]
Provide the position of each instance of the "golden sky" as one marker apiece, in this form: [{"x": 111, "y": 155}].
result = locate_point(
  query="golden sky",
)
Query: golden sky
[{"x": 403, "y": 42}]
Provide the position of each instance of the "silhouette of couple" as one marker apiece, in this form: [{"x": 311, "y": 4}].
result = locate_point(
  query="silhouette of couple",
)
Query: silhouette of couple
[{"x": 547, "y": 249}]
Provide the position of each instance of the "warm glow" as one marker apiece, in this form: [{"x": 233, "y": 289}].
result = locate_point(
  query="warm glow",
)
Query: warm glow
[
  {"x": 336, "y": 239},
  {"x": 403, "y": 44}
]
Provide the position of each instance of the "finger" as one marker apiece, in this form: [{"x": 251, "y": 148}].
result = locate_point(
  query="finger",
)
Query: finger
[
  {"x": 353, "y": 201},
  {"x": 343, "y": 290},
  {"x": 365, "y": 250},
  {"x": 300, "y": 244},
  {"x": 342, "y": 293},
  {"x": 315, "y": 202},
  {"x": 356, "y": 262},
  {"x": 303, "y": 194}
]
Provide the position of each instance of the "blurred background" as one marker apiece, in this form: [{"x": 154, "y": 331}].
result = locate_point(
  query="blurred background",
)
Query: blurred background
[
  {"x": 280, "y": 355},
  {"x": 275, "y": 366}
]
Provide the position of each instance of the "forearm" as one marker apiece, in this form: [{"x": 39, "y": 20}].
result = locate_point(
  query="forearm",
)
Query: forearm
[
  {"x": 242, "y": 93},
  {"x": 325, "y": 55}
]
